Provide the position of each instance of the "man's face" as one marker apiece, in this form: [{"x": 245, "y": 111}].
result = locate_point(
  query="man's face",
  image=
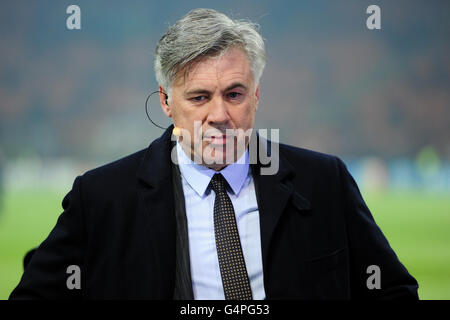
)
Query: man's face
[{"x": 219, "y": 93}]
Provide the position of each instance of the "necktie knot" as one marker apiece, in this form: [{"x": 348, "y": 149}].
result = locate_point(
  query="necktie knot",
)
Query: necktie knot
[{"x": 218, "y": 183}]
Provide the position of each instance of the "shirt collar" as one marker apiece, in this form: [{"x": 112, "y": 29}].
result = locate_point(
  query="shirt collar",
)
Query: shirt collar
[{"x": 199, "y": 176}]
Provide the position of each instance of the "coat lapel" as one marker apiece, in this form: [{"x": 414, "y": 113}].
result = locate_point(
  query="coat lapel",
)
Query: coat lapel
[
  {"x": 273, "y": 193},
  {"x": 156, "y": 192}
]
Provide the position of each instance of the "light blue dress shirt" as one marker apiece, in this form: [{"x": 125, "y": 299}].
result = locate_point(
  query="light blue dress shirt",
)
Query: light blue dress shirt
[{"x": 199, "y": 199}]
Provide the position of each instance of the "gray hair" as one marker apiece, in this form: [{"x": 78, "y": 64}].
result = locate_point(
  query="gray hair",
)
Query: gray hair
[{"x": 206, "y": 33}]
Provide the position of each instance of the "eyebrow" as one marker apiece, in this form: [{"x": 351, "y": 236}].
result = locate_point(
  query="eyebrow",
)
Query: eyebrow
[
  {"x": 232, "y": 86},
  {"x": 235, "y": 85}
]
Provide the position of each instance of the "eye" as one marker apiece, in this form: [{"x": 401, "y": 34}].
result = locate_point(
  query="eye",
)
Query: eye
[
  {"x": 234, "y": 95},
  {"x": 198, "y": 99}
]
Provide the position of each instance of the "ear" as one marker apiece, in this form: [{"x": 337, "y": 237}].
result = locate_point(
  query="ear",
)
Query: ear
[
  {"x": 257, "y": 95},
  {"x": 163, "y": 100}
]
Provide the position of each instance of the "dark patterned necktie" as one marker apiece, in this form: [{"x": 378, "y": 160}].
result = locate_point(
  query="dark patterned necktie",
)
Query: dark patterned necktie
[{"x": 236, "y": 284}]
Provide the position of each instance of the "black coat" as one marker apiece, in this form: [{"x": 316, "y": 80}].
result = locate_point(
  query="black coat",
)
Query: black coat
[{"x": 317, "y": 235}]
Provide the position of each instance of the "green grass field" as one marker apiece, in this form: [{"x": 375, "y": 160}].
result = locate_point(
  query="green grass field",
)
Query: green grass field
[{"x": 417, "y": 225}]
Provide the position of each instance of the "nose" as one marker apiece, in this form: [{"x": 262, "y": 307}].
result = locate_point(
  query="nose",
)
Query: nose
[{"x": 218, "y": 112}]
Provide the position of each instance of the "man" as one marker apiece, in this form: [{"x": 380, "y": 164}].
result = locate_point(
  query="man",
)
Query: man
[{"x": 195, "y": 216}]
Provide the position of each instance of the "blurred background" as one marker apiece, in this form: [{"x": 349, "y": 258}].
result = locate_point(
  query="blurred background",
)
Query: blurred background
[{"x": 71, "y": 100}]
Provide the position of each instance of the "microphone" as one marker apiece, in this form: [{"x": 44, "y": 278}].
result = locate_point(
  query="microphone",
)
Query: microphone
[{"x": 176, "y": 131}]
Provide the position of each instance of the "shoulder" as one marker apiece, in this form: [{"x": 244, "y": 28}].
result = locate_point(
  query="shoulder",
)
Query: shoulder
[
  {"x": 114, "y": 175},
  {"x": 309, "y": 160},
  {"x": 121, "y": 166}
]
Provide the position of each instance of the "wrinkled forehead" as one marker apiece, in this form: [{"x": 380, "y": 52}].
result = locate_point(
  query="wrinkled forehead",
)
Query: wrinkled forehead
[{"x": 232, "y": 63}]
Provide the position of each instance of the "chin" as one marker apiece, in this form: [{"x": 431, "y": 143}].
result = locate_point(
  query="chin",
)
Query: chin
[
  {"x": 218, "y": 155},
  {"x": 216, "y": 160}
]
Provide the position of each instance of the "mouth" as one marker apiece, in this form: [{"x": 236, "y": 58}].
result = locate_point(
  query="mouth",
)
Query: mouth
[{"x": 217, "y": 139}]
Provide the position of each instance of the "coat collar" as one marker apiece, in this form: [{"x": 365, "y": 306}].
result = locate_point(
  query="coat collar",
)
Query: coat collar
[
  {"x": 155, "y": 167},
  {"x": 273, "y": 191}
]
